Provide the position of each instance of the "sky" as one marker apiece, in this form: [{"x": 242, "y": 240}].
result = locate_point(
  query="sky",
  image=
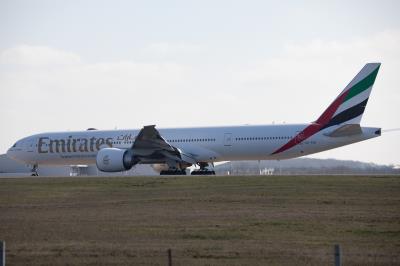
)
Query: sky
[{"x": 71, "y": 65}]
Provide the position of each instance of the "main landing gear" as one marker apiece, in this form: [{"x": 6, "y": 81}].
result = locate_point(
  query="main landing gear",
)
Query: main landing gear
[
  {"x": 173, "y": 171},
  {"x": 203, "y": 170},
  {"x": 174, "y": 168}
]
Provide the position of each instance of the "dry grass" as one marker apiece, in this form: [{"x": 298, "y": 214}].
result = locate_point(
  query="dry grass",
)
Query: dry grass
[{"x": 279, "y": 220}]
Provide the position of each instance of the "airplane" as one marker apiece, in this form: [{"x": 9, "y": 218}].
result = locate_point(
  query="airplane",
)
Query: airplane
[{"x": 172, "y": 150}]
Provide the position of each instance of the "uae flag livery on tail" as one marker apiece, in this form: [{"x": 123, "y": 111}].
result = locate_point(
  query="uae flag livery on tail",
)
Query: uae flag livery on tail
[
  {"x": 353, "y": 99},
  {"x": 347, "y": 108}
]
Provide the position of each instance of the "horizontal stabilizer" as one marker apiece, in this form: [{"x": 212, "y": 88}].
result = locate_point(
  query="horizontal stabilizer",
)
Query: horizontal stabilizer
[{"x": 345, "y": 130}]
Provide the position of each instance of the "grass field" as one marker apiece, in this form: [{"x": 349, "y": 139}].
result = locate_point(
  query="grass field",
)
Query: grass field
[{"x": 260, "y": 220}]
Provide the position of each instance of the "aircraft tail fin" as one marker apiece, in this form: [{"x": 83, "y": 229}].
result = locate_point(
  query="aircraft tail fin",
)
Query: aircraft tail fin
[{"x": 349, "y": 106}]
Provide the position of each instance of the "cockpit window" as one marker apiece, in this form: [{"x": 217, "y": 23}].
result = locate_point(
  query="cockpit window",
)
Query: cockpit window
[{"x": 15, "y": 145}]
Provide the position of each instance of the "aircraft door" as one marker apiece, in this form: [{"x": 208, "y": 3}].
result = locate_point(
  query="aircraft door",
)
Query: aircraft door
[
  {"x": 299, "y": 141},
  {"x": 228, "y": 139},
  {"x": 30, "y": 145},
  {"x": 299, "y": 138}
]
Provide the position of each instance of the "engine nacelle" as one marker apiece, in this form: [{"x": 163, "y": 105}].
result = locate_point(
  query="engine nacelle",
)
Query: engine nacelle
[{"x": 115, "y": 160}]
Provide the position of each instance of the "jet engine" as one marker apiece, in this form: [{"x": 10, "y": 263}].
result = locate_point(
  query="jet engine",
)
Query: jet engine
[{"x": 115, "y": 160}]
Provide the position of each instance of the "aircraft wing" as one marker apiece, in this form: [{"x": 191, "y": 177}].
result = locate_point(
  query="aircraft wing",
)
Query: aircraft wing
[{"x": 149, "y": 144}]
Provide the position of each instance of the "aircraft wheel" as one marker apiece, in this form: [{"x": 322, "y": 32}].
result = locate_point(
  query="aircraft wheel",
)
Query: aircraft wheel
[
  {"x": 173, "y": 172},
  {"x": 203, "y": 172}
]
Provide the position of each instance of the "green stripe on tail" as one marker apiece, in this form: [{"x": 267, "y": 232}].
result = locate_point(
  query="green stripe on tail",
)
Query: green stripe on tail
[{"x": 363, "y": 85}]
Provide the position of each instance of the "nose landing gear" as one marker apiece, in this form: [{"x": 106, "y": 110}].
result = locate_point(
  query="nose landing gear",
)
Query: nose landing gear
[{"x": 34, "y": 170}]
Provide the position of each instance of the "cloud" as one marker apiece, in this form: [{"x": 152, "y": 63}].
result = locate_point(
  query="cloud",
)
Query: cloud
[
  {"x": 312, "y": 59},
  {"x": 321, "y": 69},
  {"x": 27, "y": 55},
  {"x": 61, "y": 87},
  {"x": 174, "y": 48}
]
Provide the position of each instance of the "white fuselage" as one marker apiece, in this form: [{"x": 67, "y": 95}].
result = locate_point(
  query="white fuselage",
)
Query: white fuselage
[{"x": 204, "y": 144}]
